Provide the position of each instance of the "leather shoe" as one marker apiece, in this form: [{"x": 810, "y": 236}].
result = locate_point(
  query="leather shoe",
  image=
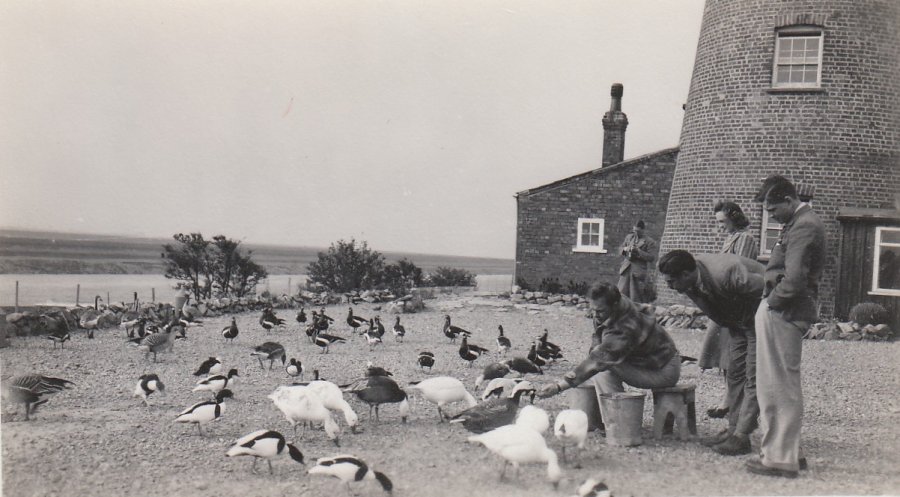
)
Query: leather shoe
[
  {"x": 736, "y": 445},
  {"x": 756, "y": 467},
  {"x": 717, "y": 412},
  {"x": 715, "y": 439},
  {"x": 803, "y": 465}
]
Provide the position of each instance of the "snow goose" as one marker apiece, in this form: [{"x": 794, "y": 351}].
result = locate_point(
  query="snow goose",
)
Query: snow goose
[
  {"x": 333, "y": 399},
  {"x": 265, "y": 444},
  {"x": 28, "y": 389},
  {"x": 571, "y": 428},
  {"x": 443, "y": 390},
  {"x": 533, "y": 417},
  {"x": 518, "y": 444},
  {"x": 349, "y": 469},
  {"x": 300, "y": 404},
  {"x": 146, "y": 386},
  {"x": 204, "y": 412}
]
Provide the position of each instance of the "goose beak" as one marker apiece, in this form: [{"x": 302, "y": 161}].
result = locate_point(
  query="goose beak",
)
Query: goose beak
[{"x": 337, "y": 442}]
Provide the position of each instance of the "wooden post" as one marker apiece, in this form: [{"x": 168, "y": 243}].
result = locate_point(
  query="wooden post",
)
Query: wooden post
[
  {"x": 289, "y": 287},
  {"x": 153, "y": 295},
  {"x": 17, "y": 296},
  {"x": 77, "y": 294},
  {"x": 107, "y": 300}
]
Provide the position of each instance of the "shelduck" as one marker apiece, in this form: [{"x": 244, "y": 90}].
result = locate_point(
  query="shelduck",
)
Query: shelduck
[
  {"x": 378, "y": 390},
  {"x": 425, "y": 360},
  {"x": 350, "y": 469},
  {"x": 492, "y": 371},
  {"x": 266, "y": 321},
  {"x": 294, "y": 368},
  {"x": 399, "y": 330},
  {"x": 469, "y": 352},
  {"x": 518, "y": 444},
  {"x": 270, "y": 351},
  {"x": 443, "y": 390},
  {"x": 204, "y": 412},
  {"x": 534, "y": 357},
  {"x": 379, "y": 326},
  {"x": 494, "y": 412},
  {"x": 231, "y": 331},
  {"x": 299, "y": 404},
  {"x": 146, "y": 386},
  {"x": 264, "y": 444},
  {"x": 453, "y": 332},
  {"x": 211, "y": 366},
  {"x": 29, "y": 390},
  {"x": 216, "y": 383},
  {"x": 372, "y": 339},
  {"x": 533, "y": 417},
  {"x": 503, "y": 342},
  {"x": 571, "y": 428}
]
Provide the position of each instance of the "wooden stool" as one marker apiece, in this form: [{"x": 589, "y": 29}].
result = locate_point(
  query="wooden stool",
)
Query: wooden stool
[{"x": 674, "y": 405}]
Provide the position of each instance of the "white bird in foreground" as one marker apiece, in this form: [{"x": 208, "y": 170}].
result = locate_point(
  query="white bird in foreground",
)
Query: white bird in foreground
[
  {"x": 571, "y": 428},
  {"x": 592, "y": 488},
  {"x": 216, "y": 383},
  {"x": 264, "y": 444},
  {"x": 333, "y": 399},
  {"x": 534, "y": 417},
  {"x": 147, "y": 384},
  {"x": 443, "y": 390},
  {"x": 300, "y": 404},
  {"x": 204, "y": 412},
  {"x": 348, "y": 469},
  {"x": 519, "y": 444}
]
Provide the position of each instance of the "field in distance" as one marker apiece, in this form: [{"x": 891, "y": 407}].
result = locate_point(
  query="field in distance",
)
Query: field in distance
[{"x": 42, "y": 252}]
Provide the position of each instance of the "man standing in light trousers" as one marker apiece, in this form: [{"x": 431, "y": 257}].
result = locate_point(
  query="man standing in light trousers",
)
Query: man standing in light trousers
[{"x": 785, "y": 313}]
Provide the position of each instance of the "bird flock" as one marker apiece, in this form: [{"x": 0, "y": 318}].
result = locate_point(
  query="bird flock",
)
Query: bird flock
[{"x": 493, "y": 417}]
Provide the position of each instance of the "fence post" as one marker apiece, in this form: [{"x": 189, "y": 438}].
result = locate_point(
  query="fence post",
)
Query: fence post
[
  {"x": 289, "y": 286},
  {"x": 153, "y": 295},
  {"x": 17, "y": 296},
  {"x": 77, "y": 294},
  {"x": 107, "y": 299}
]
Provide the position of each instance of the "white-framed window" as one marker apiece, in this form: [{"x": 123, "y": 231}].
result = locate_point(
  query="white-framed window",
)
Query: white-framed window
[
  {"x": 769, "y": 233},
  {"x": 798, "y": 57},
  {"x": 886, "y": 269},
  {"x": 590, "y": 235}
]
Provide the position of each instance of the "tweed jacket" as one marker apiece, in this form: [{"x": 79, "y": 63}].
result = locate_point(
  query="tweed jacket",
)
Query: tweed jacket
[
  {"x": 630, "y": 335},
  {"x": 728, "y": 289},
  {"x": 795, "y": 267},
  {"x": 643, "y": 251},
  {"x": 741, "y": 243}
]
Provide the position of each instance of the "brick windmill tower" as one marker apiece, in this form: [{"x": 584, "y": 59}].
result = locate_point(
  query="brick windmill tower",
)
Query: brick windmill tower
[{"x": 809, "y": 90}]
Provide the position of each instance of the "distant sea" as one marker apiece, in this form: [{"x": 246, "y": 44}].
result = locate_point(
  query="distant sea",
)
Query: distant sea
[{"x": 62, "y": 289}]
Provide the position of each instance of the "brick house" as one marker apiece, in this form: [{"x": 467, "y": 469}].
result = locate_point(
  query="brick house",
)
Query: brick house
[
  {"x": 570, "y": 230},
  {"x": 809, "y": 90}
]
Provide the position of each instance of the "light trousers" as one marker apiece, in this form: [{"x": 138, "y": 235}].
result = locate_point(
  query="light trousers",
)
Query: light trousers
[
  {"x": 778, "y": 355},
  {"x": 611, "y": 380}
]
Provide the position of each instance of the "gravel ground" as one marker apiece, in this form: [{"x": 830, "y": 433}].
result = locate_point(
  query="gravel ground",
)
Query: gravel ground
[{"x": 98, "y": 440}]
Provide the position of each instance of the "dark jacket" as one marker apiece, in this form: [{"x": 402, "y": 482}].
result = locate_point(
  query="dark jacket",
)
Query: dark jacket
[
  {"x": 795, "y": 267},
  {"x": 729, "y": 289},
  {"x": 630, "y": 335}
]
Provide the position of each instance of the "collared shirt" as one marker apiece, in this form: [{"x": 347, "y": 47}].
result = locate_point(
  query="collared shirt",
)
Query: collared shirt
[{"x": 630, "y": 335}]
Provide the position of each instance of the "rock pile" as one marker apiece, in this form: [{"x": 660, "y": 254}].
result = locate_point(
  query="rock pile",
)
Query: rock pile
[{"x": 849, "y": 331}]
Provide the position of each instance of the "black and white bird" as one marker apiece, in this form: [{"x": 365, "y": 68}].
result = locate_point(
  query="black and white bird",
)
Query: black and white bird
[
  {"x": 544, "y": 344},
  {"x": 470, "y": 352},
  {"x": 379, "y": 326},
  {"x": 147, "y": 385},
  {"x": 348, "y": 469},
  {"x": 59, "y": 337},
  {"x": 231, "y": 331},
  {"x": 494, "y": 413},
  {"x": 204, "y": 412},
  {"x": 425, "y": 360},
  {"x": 503, "y": 343},
  {"x": 216, "y": 383},
  {"x": 491, "y": 371},
  {"x": 536, "y": 358},
  {"x": 399, "y": 330},
  {"x": 453, "y": 332},
  {"x": 266, "y": 321},
  {"x": 270, "y": 351},
  {"x": 355, "y": 321},
  {"x": 211, "y": 366},
  {"x": 324, "y": 341},
  {"x": 592, "y": 487},
  {"x": 523, "y": 366},
  {"x": 29, "y": 390},
  {"x": 372, "y": 338},
  {"x": 294, "y": 368},
  {"x": 264, "y": 444}
]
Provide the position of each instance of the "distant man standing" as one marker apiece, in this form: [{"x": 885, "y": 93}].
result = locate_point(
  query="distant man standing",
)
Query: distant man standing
[
  {"x": 787, "y": 310},
  {"x": 728, "y": 288},
  {"x": 634, "y": 278}
]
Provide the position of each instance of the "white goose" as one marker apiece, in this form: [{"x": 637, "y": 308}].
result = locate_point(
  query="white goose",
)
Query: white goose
[
  {"x": 333, "y": 399},
  {"x": 264, "y": 444},
  {"x": 533, "y": 417},
  {"x": 348, "y": 469},
  {"x": 300, "y": 404},
  {"x": 443, "y": 390},
  {"x": 571, "y": 428},
  {"x": 519, "y": 444}
]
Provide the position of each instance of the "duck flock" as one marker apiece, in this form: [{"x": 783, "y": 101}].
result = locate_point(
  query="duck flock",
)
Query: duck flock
[{"x": 495, "y": 414}]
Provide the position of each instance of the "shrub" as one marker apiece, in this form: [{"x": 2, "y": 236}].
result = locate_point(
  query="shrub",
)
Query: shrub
[
  {"x": 448, "y": 276},
  {"x": 401, "y": 276},
  {"x": 865, "y": 313},
  {"x": 345, "y": 267},
  {"x": 580, "y": 288},
  {"x": 523, "y": 284},
  {"x": 550, "y": 285}
]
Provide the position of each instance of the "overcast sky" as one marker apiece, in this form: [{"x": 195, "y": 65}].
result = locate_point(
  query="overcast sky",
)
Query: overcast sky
[{"x": 407, "y": 124}]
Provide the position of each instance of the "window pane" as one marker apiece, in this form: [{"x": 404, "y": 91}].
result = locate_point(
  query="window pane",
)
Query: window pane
[
  {"x": 810, "y": 74},
  {"x": 889, "y": 268},
  {"x": 585, "y": 239},
  {"x": 771, "y": 238},
  {"x": 796, "y": 75},
  {"x": 784, "y": 48},
  {"x": 890, "y": 236},
  {"x": 812, "y": 45},
  {"x": 595, "y": 240},
  {"x": 783, "y": 75}
]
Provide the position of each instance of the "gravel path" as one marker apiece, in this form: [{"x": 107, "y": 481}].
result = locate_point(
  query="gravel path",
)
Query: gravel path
[{"x": 97, "y": 440}]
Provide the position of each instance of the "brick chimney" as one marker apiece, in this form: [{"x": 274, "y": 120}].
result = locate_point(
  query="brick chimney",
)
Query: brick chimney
[{"x": 614, "y": 123}]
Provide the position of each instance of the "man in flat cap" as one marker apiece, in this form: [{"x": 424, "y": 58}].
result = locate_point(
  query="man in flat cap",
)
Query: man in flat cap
[{"x": 639, "y": 251}]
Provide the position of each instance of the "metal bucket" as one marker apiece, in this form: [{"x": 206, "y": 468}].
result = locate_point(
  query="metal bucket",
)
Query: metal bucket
[
  {"x": 623, "y": 414},
  {"x": 584, "y": 398}
]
